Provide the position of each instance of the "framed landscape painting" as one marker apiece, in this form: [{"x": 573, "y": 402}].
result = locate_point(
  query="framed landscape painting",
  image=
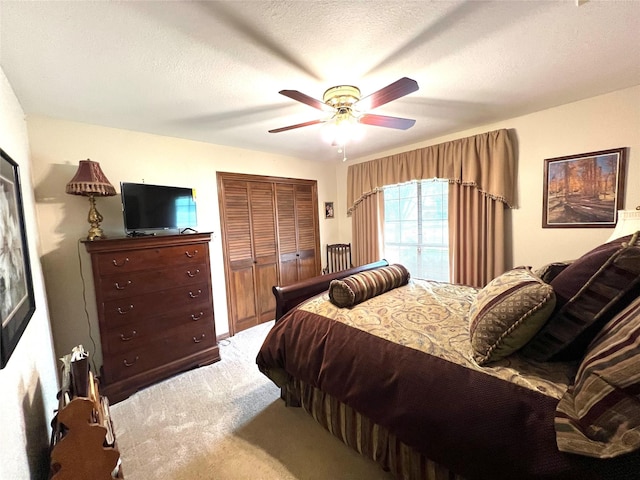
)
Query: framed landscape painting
[
  {"x": 17, "y": 302},
  {"x": 584, "y": 190}
]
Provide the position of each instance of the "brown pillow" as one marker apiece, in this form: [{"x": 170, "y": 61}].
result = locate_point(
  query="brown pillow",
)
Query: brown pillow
[
  {"x": 507, "y": 313},
  {"x": 362, "y": 286},
  {"x": 551, "y": 270},
  {"x": 599, "y": 415},
  {"x": 589, "y": 292}
]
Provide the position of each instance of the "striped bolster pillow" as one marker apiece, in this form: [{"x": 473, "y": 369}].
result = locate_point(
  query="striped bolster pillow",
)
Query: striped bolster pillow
[
  {"x": 362, "y": 286},
  {"x": 599, "y": 415}
]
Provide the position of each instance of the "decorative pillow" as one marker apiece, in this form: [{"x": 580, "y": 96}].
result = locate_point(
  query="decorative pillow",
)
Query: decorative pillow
[
  {"x": 507, "y": 312},
  {"x": 362, "y": 286},
  {"x": 589, "y": 292},
  {"x": 551, "y": 270},
  {"x": 599, "y": 415}
]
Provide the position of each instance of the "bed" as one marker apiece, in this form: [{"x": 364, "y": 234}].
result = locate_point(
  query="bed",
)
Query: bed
[{"x": 397, "y": 375}]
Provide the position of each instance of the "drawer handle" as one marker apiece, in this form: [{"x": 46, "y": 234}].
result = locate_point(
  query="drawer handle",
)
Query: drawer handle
[
  {"x": 191, "y": 255},
  {"x": 116, "y": 264},
  {"x": 193, "y": 274},
  {"x": 197, "y": 317},
  {"x": 199, "y": 339},
  {"x": 127, "y": 364},
  {"x": 122, "y": 287},
  {"x": 195, "y": 295},
  {"x": 124, "y": 312},
  {"x": 126, "y": 339}
]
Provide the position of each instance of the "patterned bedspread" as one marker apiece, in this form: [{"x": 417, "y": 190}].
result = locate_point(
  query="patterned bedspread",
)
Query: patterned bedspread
[
  {"x": 432, "y": 317},
  {"x": 403, "y": 360}
]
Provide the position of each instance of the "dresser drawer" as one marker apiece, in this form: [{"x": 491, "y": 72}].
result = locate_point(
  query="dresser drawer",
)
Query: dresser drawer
[
  {"x": 189, "y": 299},
  {"x": 141, "y": 332},
  {"x": 171, "y": 345},
  {"x": 108, "y": 263},
  {"x": 127, "y": 284}
]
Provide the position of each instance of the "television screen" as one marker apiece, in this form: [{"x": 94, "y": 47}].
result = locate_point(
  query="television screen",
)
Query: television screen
[{"x": 157, "y": 207}]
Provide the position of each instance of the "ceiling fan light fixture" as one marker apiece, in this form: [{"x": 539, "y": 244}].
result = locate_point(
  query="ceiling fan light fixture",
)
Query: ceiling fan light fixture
[
  {"x": 341, "y": 96},
  {"x": 342, "y": 128}
]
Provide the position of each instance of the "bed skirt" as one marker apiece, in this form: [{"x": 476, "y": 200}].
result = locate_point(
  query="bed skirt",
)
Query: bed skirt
[{"x": 364, "y": 436}]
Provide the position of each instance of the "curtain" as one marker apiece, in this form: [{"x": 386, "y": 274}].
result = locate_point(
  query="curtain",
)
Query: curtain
[
  {"x": 484, "y": 162},
  {"x": 367, "y": 224},
  {"x": 476, "y": 236}
]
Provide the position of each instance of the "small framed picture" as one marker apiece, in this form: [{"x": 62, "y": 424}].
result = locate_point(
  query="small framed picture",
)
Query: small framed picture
[
  {"x": 328, "y": 210},
  {"x": 584, "y": 190}
]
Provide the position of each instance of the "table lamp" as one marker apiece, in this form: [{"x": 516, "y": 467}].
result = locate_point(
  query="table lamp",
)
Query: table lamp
[
  {"x": 628, "y": 223},
  {"x": 89, "y": 181}
]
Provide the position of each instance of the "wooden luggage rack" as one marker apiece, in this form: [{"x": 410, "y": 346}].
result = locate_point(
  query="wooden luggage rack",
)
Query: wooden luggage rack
[{"x": 83, "y": 444}]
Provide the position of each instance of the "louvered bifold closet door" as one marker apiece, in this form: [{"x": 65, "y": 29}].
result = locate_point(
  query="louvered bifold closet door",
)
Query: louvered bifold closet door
[
  {"x": 287, "y": 237},
  {"x": 297, "y": 232},
  {"x": 236, "y": 221},
  {"x": 306, "y": 221},
  {"x": 263, "y": 230},
  {"x": 270, "y": 237}
]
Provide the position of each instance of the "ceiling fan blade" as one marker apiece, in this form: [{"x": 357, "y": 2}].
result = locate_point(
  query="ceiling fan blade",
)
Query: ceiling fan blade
[
  {"x": 389, "y": 122},
  {"x": 306, "y": 99},
  {"x": 297, "y": 125},
  {"x": 391, "y": 92}
]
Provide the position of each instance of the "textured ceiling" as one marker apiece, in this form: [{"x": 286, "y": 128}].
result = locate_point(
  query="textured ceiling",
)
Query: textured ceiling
[{"x": 211, "y": 71}]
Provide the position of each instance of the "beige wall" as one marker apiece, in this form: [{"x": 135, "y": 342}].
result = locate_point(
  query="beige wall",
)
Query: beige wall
[
  {"x": 56, "y": 148},
  {"x": 28, "y": 383},
  {"x": 608, "y": 121},
  {"x": 599, "y": 123}
]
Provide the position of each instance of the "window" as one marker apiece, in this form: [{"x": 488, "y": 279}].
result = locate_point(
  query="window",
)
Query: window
[{"x": 416, "y": 228}]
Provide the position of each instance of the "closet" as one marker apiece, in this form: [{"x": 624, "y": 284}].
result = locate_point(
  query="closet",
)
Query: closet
[{"x": 269, "y": 237}]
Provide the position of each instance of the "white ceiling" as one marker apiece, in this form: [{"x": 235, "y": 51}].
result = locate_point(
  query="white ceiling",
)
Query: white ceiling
[{"x": 211, "y": 71}]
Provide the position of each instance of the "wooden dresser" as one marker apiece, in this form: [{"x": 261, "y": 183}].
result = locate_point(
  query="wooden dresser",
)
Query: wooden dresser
[{"x": 155, "y": 308}]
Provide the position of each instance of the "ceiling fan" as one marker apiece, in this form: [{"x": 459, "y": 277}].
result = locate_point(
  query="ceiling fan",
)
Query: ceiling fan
[{"x": 345, "y": 105}]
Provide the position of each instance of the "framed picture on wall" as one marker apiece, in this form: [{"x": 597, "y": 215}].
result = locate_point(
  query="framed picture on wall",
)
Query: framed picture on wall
[
  {"x": 328, "y": 209},
  {"x": 584, "y": 190},
  {"x": 17, "y": 302}
]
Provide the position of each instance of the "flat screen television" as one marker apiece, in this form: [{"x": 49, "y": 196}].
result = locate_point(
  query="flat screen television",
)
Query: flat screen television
[{"x": 157, "y": 207}]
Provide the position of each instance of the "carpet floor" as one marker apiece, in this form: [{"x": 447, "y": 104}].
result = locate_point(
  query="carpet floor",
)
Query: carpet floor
[{"x": 226, "y": 422}]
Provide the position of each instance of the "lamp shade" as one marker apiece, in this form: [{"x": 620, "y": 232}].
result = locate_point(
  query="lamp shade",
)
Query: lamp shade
[
  {"x": 90, "y": 180},
  {"x": 628, "y": 223}
]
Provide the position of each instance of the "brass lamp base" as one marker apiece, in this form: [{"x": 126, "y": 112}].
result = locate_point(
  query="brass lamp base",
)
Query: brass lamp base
[{"x": 94, "y": 219}]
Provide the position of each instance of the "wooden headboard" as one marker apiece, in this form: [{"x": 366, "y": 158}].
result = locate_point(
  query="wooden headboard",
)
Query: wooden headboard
[{"x": 291, "y": 295}]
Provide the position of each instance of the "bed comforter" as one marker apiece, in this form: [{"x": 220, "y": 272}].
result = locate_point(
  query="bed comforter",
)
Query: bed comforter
[{"x": 403, "y": 359}]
